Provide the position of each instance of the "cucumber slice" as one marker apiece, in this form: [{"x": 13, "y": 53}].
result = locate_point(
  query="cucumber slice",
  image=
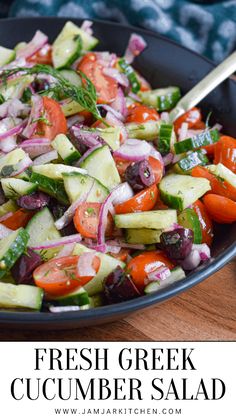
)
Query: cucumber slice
[
  {"x": 6, "y": 56},
  {"x": 13, "y": 188},
  {"x": 52, "y": 187},
  {"x": 20, "y": 296},
  {"x": 223, "y": 172},
  {"x": 100, "y": 164},
  {"x": 69, "y": 43},
  {"x": 12, "y": 158},
  {"x": 9, "y": 206},
  {"x": 161, "y": 99},
  {"x": 205, "y": 138},
  {"x": 77, "y": 185},
  {"x": 147, "y": 131},
  {"x": 176, "y": 275},
  {"x": 128, "y": 70},
  {"x": 185, "y": 165},
  {"x": 14, "y": 88},
  {"x": 180, "y": 191},
  {"x": 142, "y": 235},
  {"x": 65, "y": 149},
  {"x": 66, "y": 50},
  {"x": 108, "y": 264},
  {"x": 189, "y": 219},
  {"x": 41, "y": 228},
  {"x": 54, "y": 171},
  {"x": 70, "y": 107},
  {"x": 96, "y": 300},
  {"x": 157, "y": 220},
  {"x": 78, "y": 297},
  {"x": 111, "y": 135},
  {"x": 166, "y": 138},
  {"x": 11, "y": 248},
  {"x": 72, "y": 77}
]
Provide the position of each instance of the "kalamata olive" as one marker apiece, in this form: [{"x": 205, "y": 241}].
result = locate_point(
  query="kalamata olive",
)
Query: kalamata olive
[
  {"x": 56, "y": 208},
  {"x": 139, "y": 175},
  {"x": 36, "y": 200},
  {"x": 119, "y": 287},
  {"x": 40, "y": 84},
  {"x": 177, "y": 243},
  {"x": 23, "y": 269}
]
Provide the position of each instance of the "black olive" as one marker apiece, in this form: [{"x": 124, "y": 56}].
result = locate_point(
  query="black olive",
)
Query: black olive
[
  {"x": 119, "y": 287},
  {"x": 36, "y": 200},
  {"x": 24, "y": 267},
  {"x": 177, "y": 243},
  {"x": 140, "y": 175}
]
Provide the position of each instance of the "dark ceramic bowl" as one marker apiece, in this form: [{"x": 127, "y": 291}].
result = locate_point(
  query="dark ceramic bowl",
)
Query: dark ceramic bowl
[{"x": 163, "y": 63}]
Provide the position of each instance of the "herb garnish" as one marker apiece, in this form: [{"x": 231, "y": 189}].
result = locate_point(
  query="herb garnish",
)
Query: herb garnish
[{"x": 85, "y": 95}]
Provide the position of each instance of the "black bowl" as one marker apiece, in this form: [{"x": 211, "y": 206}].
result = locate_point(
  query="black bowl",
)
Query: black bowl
[{"x": 163, "y": 63}]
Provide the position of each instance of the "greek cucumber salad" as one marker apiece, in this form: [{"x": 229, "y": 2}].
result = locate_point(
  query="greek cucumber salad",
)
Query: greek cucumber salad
[{"x": 102, "y": 198}]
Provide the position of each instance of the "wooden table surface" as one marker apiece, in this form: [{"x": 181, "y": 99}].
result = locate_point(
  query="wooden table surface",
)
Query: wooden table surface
[{"x": 206, "y": 312}]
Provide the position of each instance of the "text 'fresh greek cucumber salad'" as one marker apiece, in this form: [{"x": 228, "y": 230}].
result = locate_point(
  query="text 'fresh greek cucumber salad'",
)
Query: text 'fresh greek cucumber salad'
[{"x": 102, "y": 198}]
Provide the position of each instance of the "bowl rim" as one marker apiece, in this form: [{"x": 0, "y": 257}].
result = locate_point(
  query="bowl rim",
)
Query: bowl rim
[{"x": 124, "y": 308}]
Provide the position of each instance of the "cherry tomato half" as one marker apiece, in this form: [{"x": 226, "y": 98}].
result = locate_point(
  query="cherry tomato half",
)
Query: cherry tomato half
[
  {"x": 140, "y": 113},
  {"x": 205, "y": 222},
  {"x": 86, "y": 220},
  {"x": 221, "y": 209},
  {"x": 225, "y": 152},
  {"x": 55, "y": 121},
  {"x": 143, "y": 201}
]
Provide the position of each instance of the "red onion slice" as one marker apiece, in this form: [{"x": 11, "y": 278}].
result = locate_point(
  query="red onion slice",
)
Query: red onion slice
[
  {"x": 165, "y": 117},
  {"x": 8, "y": 144},
  {"x": 46, "y": 158},
  {"x": 116, "y": 75},
  {"x": 74, "y": 119},
  {"x": 4, "y": 231},
  {"x": 135, "y": 46},
  {"x": 124, "y": 245},
  {"x": 115, "y": 122},
  {"x": 36, "y": 112},
  {"x": 8, "y": 132},
  {"x": 168, "y": 159},
  {"x": 84, "y": 265},
  {"x": 159, "y": 274},
  {"x": 37, "y": 42},
  {"x": 119, "y": 104},
  {"x": 183, "y": 131},
  {"x": 67, "y": 250},
  {"x": 199, "y": 253},
  {"x": 125, "y": 193},
  {"x": 74, "y": 238},
  {"x": 6, "y": 216},
  {"x": 133, "y": 150},
  {"x": 87, "y": 27},
  {"x": 69, "y": 214}
]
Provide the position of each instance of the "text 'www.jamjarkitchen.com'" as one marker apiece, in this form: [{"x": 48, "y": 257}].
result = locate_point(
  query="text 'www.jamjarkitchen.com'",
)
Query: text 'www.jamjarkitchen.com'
[{"x": 117, "y": 412}]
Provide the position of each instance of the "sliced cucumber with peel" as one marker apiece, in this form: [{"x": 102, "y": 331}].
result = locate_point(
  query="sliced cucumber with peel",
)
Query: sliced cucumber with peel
[
  {"x": 206, "y": 137},
  {"x": 65, "y": 149},
  {"x": 128, "y": 70},
  {"x": 189, "y": 219},
  {"x": 20, "y": 297},
  {"x": 11, "y": 248},
  {"x": 176, "y": 275},
  {"x": 166, "y": 139},
  {"x": 54, "y": 171},
  {"x": 12, "y": 158},
  {"x": 186, "y": 164},
  {"x": 71, "y": 76},
  {"x": 77, "y": 185},
  {"x": 223, "y": 172},
  {"x": 70, "y": 107},
  {"x": 180, "y": 191},
  {"x": 161, "y": 99},
  {"x": 148, "y": 131},
  {"x": 108, "y": 264},
  {"x": 14, "y": 88},
  {"x": 41, "y": 229},
  {"x": 100, "y": 164},
  {"x": 52, "y": 187},
  {"x": 142, "y": 235},
  {"x": 6, "y": 56},
  {"x": 159, "y": 219},
  {"x": 79, "y": 297},
  {"x": 111, "y": 135},
  {"x": 9, "y": 206},
  {"x": 13, "y": 188},
  {"x": 69, "y": 45}
]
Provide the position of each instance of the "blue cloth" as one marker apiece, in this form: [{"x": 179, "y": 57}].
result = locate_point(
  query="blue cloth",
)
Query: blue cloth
[{"x": 208, "y": 27}]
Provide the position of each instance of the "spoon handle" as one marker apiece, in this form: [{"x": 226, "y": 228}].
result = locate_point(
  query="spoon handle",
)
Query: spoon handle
[{"x": 204, "y": 87}]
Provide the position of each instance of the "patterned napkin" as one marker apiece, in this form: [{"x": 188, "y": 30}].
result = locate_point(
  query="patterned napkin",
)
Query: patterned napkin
[{"x": 208, "y": 27}]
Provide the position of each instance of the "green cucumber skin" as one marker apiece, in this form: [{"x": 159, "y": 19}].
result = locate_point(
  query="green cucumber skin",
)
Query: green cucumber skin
[
  {"x": 67, "y": 60},
  {"x": 13, "y": 253},
  {"x": 203, "y": 139},
  {"x": 177, "y": 274},
  {"x": 80, "y": 298},
  {"x": 165, "y": 138},
  {"x": 194, "y": 159},
  {"x": 130, "y": 73},
  {"x": 20, "y": 297},
  {"x": 148, "y": 131},
  {"x": 157, "y": 219},
  {"x": 162, "y": 99},
  {"x": 189, "y": 219},
  {"x": 50, "y": 186},
  {"x": 165, "y": 103}
]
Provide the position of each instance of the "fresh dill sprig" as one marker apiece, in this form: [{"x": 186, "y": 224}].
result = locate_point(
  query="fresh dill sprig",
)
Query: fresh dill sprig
[{"x": 85, "y": 95}]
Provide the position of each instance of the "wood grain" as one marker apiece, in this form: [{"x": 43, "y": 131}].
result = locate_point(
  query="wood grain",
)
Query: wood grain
[{"x": 206, "y": 312}]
